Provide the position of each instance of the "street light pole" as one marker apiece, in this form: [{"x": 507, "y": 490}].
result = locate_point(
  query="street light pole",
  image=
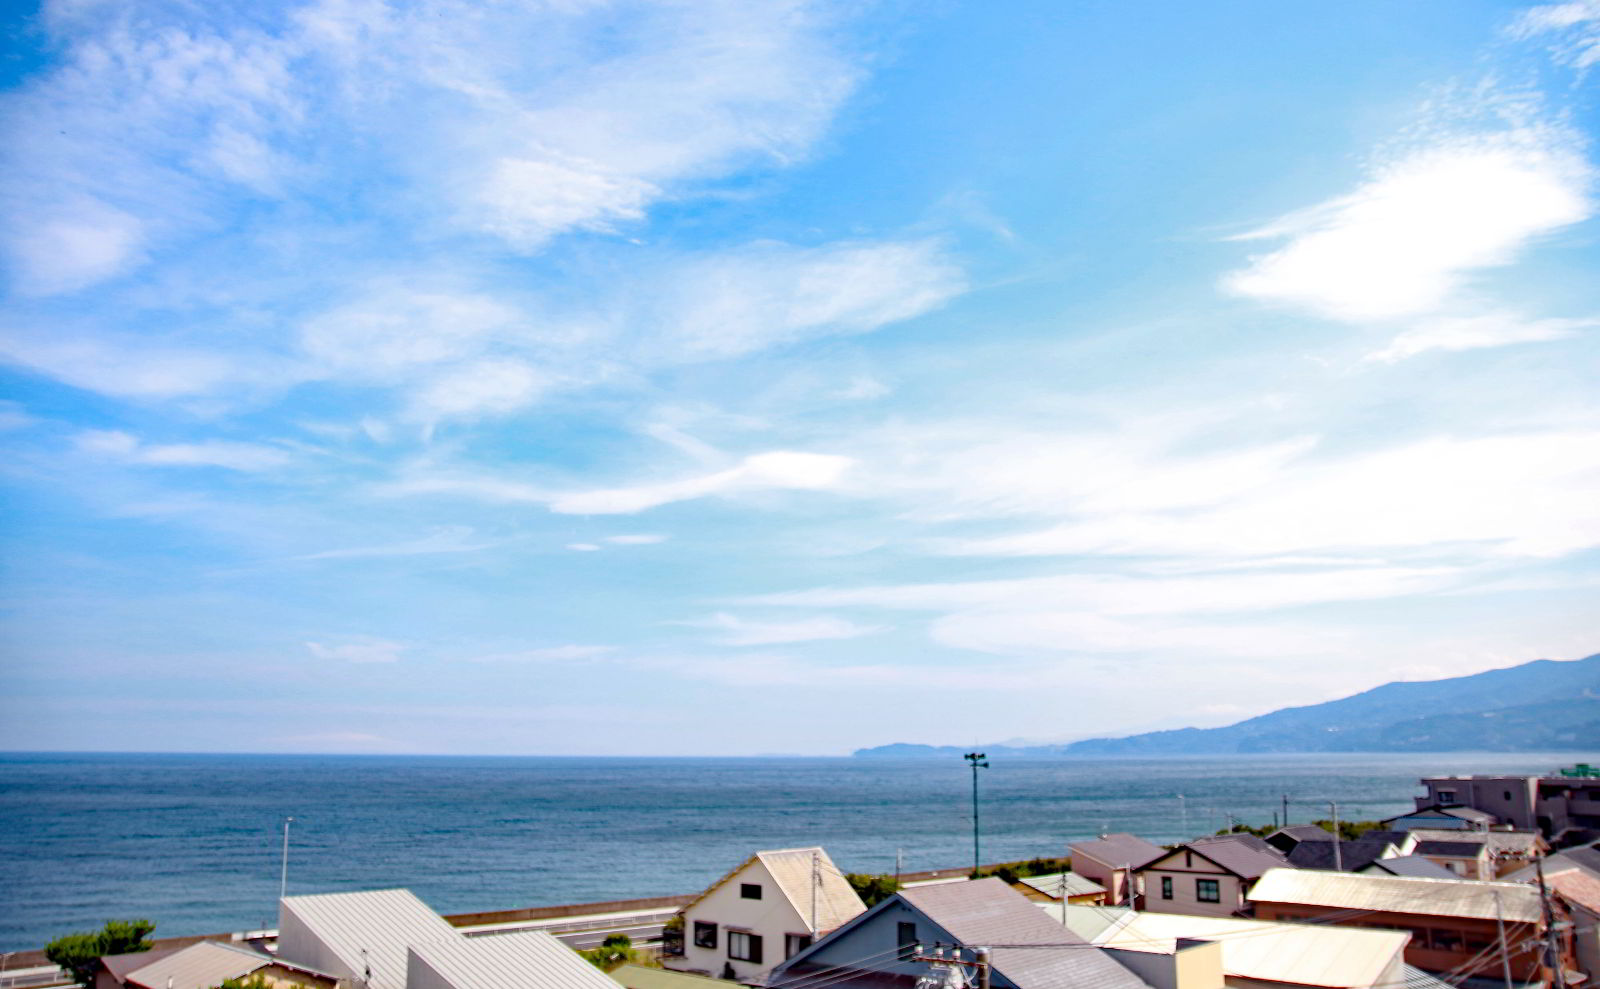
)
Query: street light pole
[
  {"x": 978, "y": 760},
  {"x": 283, "y": 880}
]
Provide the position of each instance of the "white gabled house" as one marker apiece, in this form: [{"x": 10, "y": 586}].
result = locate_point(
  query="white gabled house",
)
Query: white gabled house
[{"x": 768, "y": 909}]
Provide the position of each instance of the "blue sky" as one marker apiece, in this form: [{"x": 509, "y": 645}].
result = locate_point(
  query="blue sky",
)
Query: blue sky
[{"x": 703, "y": 377}]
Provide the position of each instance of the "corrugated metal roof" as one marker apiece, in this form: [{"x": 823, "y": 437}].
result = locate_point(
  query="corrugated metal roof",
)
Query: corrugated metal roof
[
  {"x": 987, "y": 912},
  {"x": 1452, "y": 849},
  {"x": 383, "y": 923},
  {"x": 120, "y": 965},
  {"x": 1118, "y": 850},
  {"x": 791, "y": 868},
  {"x": 639, "y": 977},
  {"x": 1051, "y": 885},
  {"x": 199, "y": 966},
  {"x": 1304, "y": 954},
  {"x": 524, "y": 960},
  {"x": 1244, "y": 855},
  {"x": 1398, "y": 894}
]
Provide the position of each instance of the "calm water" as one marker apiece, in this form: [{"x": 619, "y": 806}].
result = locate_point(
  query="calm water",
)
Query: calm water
[{"x": 193, "y": 842}]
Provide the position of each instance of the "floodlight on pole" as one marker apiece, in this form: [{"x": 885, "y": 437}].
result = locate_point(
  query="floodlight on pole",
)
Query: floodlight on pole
[{"x": 978, "y": 760}]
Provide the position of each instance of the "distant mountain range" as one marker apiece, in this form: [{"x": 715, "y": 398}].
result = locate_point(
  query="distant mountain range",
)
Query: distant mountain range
[{"x": 1544, "y": 705}]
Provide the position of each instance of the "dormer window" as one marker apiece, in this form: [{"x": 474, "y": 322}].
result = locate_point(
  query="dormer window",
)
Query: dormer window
[{"x": 750, "y": 891}]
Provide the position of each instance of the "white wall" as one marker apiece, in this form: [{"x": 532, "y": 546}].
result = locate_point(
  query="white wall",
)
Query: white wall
[{"x": 772, "y": 917}]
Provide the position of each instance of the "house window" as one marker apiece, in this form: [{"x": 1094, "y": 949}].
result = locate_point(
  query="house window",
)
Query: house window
[
  {"x": 749, "y": 891},
  {"x": 1447, "y": 797},
  {"x": 1207, "y": 891},
  {"x": 1166, "y": 887},
  {"x": 705, "y": 934},
  {"x": 907, "y": 939},
  {"x": 1508, "y": 796},
  {"x": 793, "y": 944},
  {"x": 744, "y": 946}
]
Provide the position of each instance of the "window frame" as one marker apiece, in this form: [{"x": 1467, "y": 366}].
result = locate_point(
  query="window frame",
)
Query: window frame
[
  {"x": 793, "y": 944},
  {"x": 908, "y": 947},
  {"x": 705, "y": 934},
  {"x": 746, "y": 941},
  {"x": 1166, "y": 887},
  {"x": 1215, "y": 890},
  {"x": 749, "y": 891}
]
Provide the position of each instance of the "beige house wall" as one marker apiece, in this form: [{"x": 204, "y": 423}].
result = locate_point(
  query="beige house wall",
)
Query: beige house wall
[
  {"x": 1184, "y": 868},
  {"x": 772, "y": 917}
]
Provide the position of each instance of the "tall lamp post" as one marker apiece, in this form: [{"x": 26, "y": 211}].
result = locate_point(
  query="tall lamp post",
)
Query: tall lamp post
[
  {"x": 283, "y": 880},
  {"x": 979, "y": 761}
]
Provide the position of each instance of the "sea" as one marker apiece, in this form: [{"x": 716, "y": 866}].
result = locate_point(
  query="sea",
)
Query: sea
[{"x": 195, "y": 842}]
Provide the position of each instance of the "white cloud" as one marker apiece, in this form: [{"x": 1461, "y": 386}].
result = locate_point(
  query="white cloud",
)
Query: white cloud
[
  {"x": 637, "y": 539},
  {"x": 1063, "y": 632},
  {"x": 1524, "y": 495},
  {"x": 584, "y": 547},
  {"x": 125, "y": 368},
  {"x": 779, "y": 470},
  {"x": 528, "y": 202},
  {"x": 359, "y": 649},
  {"x": 732, "y": 630},
  {"x": 1123, "y": 595},
  {"x": 216, "y": 453},
  {"x": 1495, "y": 329},
  {"x": 550, "y": 654},
  {"x": 485, "y": 387},
  {"x": 62, "y": 247},
  {"x": 737, "y": 302},
  {"x": 1577, "y": 25},
  {"x": 1403, "y": 242},
  {"x": 395, "y": 331}
]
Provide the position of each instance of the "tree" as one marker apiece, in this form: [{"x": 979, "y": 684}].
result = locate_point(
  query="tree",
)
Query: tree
[
  {"x": 616, "y": 949},
  {"x": 256, "y": 981},
  {"x": 872, "y": 889},
  {"x": 80, "y": 954}
]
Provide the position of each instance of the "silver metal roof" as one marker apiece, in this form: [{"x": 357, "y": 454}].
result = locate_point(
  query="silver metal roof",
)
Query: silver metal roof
[
  {"x": 199, "y": 966},
  {"x": 383, "y": 923},
  {"x": 1399, "y": 894},
  {"x": 987, "y": 912},
  {"x": 1051, "y": 885},
  {"x": 525, "y": 960}
]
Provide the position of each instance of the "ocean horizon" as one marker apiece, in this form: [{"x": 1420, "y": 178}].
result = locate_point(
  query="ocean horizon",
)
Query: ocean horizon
[{"x": 193, "y": 841}]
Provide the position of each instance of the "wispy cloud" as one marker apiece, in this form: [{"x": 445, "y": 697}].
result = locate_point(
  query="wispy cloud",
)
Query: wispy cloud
[
  {"x": 637, "y": 539},
  {"x": 450, "y": 539},
  {"x": 732, "y": 630},
  {"x": 215, "y": 453},
  {"x": 1404, "y": 241},
  {"x": 781, "y": 470},
  {"x": 1575, "y": 27},
  {"x": 1532, "y": 495},
  {"x": 1494, "y": 329},
  {"x": 549, "y": 654}
]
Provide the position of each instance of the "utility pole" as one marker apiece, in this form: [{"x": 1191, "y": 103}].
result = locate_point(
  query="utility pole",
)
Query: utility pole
[
  {"x": 978, "y": 760},
  {"x": 283, "y": 878},
  {"x": 1505, "y": 949},
  {"x": 1338, "y": 856},
  {"x": 1183, "y": 812},
  {"x": 1285, "y": 810},
  {"x": 1552, "y": 938},
  {"x": 816, "y": 880},
  {"x": 898, "y": 855}
]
